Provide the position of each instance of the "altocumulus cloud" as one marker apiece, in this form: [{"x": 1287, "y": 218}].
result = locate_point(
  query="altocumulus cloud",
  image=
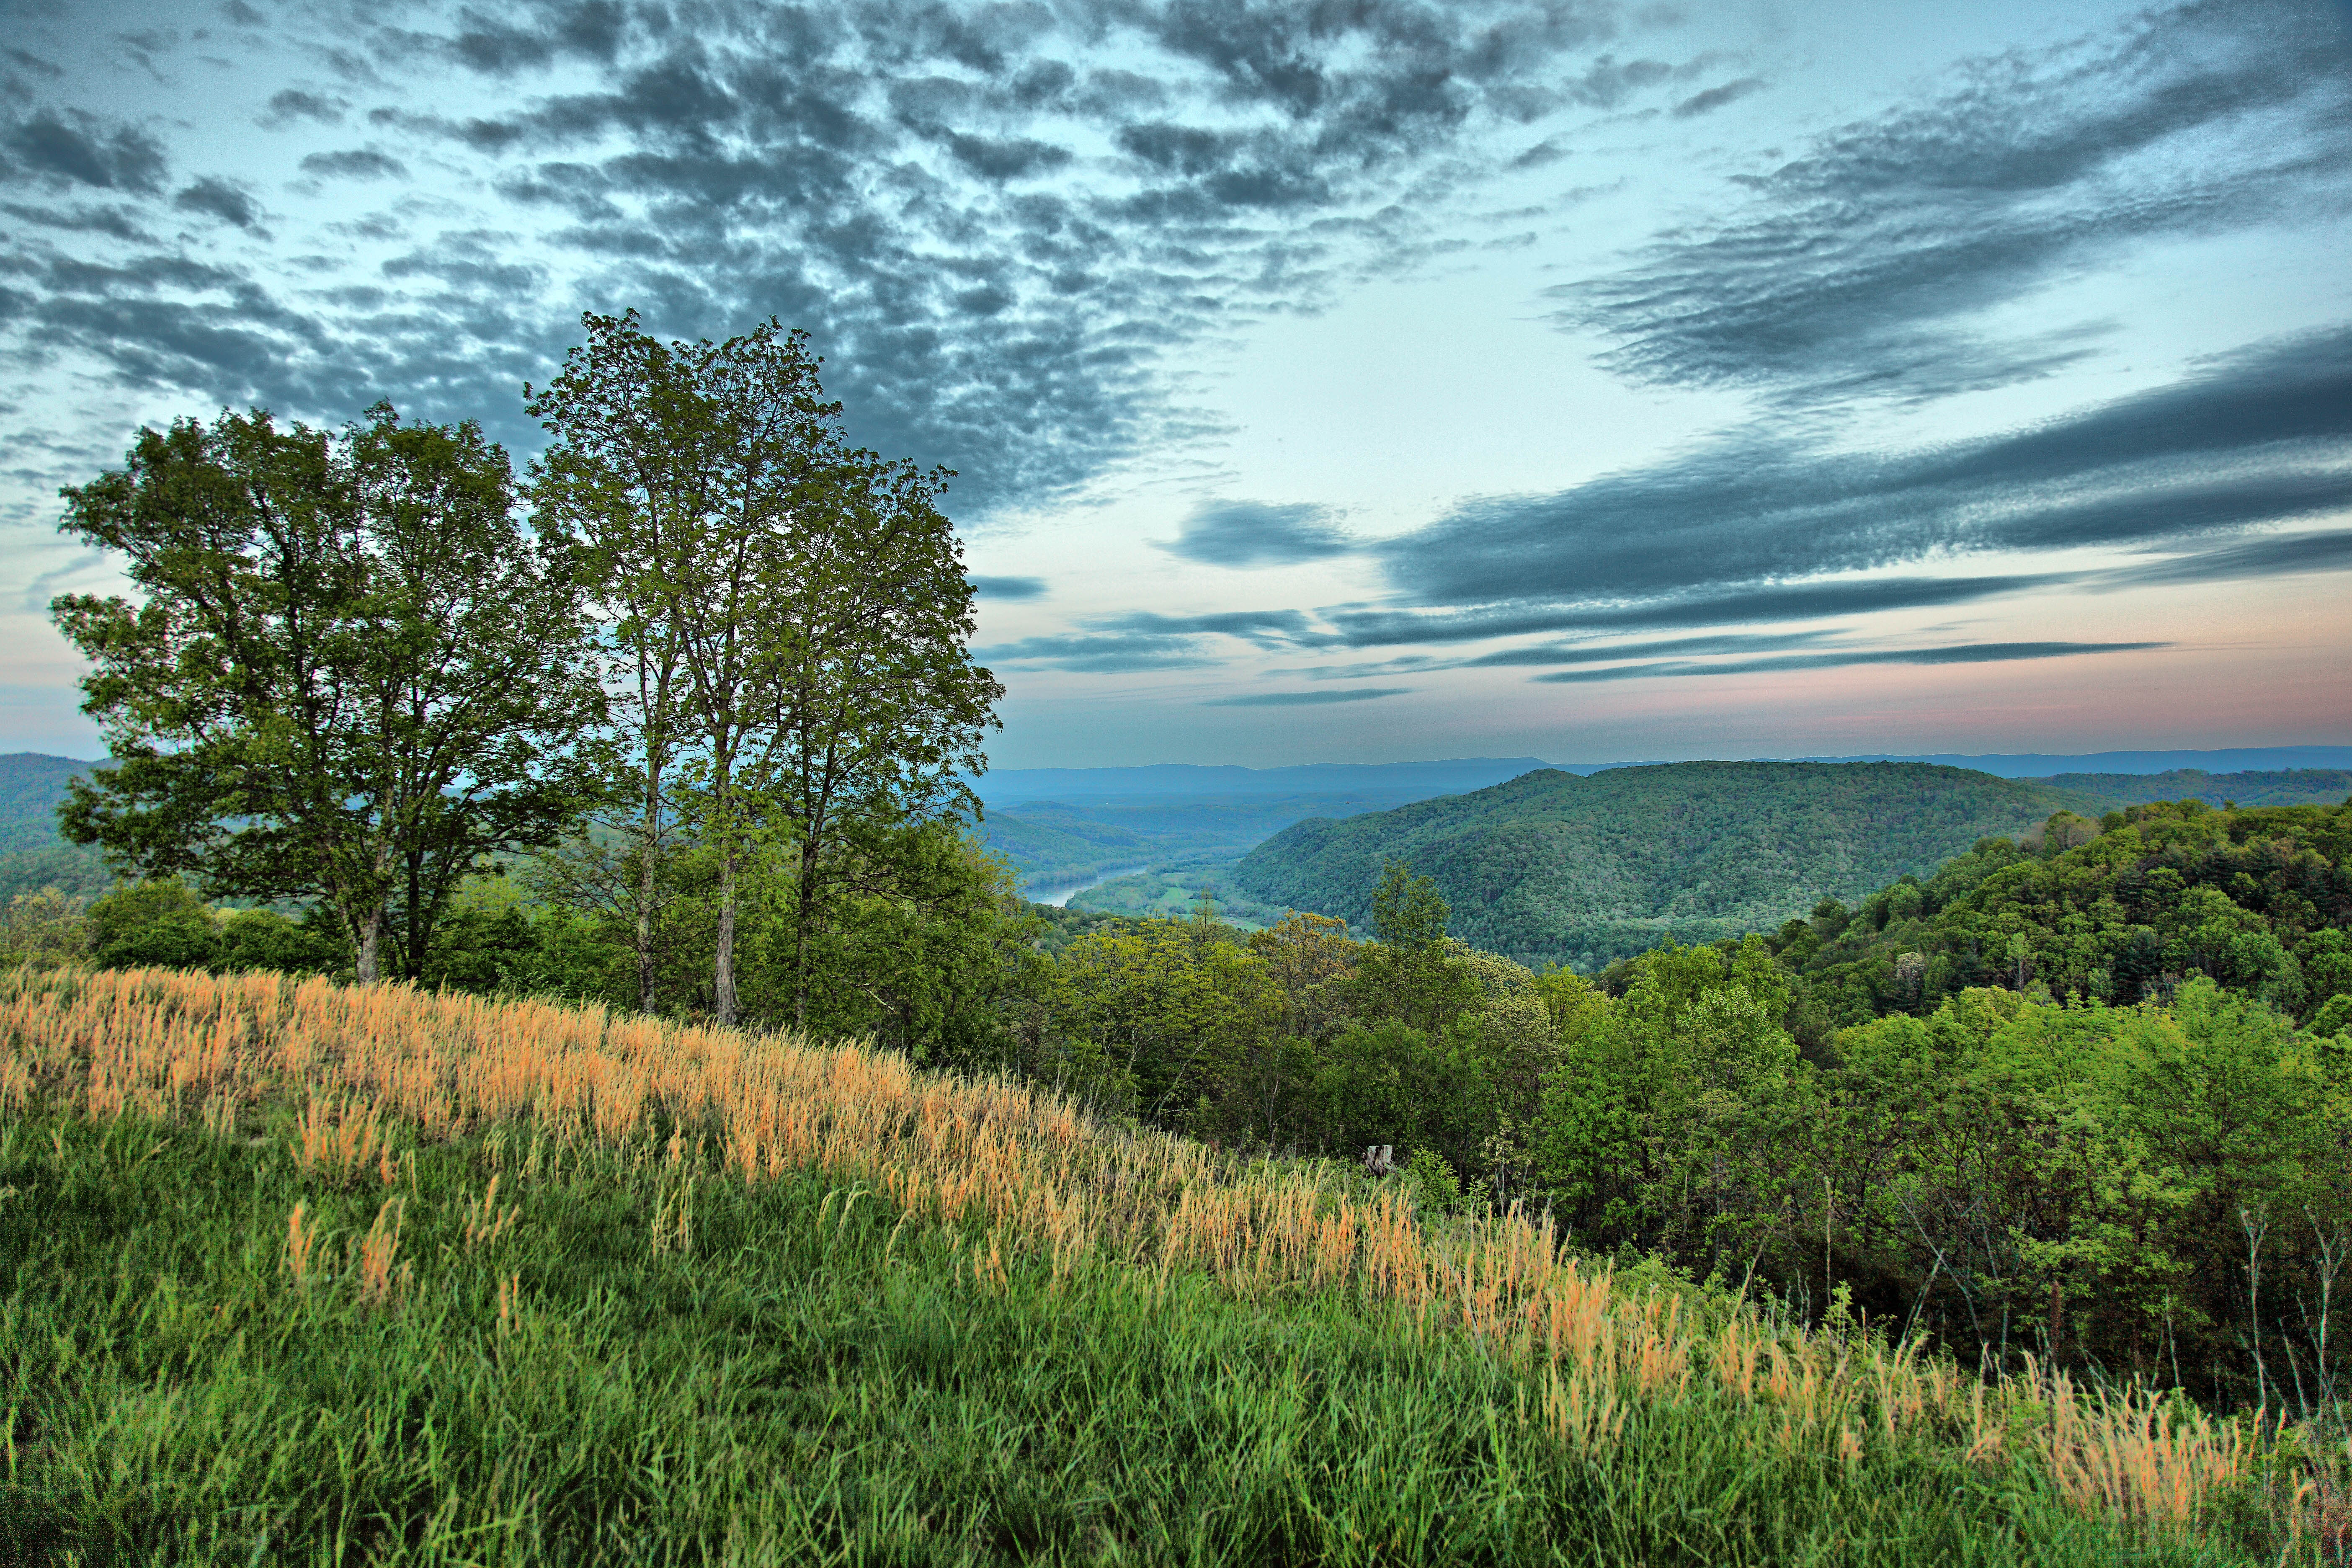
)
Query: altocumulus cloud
[
  {"x": 1258, "y": 533},
  {"x": 999, "y": 222},
  {"x": 1009, "y": 587}
]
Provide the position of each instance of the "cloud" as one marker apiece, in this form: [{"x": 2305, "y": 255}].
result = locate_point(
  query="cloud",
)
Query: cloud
[
  {"x": 1092, "y": 653},
  {"x": 90, "y": 152},
  {"x": 1714, "y": 97},
  {"x": 2259, "y": 438},
  {"x": 2279, "y": 556},
  {"x": 1009, "y": 587},
  {"x": 291, "y": 104},
  {"x": 1258, "y": 533},
  {"x": 1307, "y": 699},
  {"x": 355, "y": 163},
  {"x": 1856, "y": 266},
  {"x": 1588, "y": 654},
  {"x": 1699, "y": 606},
  {"x": 219, "y": 199},
  {"x": 115, "y": 222},
  {"x": 1002, "y": 225},
  {"x": 1964, "y": 653},
  {"x": 1262, "y": 629}
]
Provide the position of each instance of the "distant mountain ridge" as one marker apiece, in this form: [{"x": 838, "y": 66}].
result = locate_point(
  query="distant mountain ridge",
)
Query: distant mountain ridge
[
  {"x": 1554, "y": 866},
  {"x": 1011, "y": 786},
  {"x": 2039, "y": 765},
  {"x": 2254, "y": 787}
]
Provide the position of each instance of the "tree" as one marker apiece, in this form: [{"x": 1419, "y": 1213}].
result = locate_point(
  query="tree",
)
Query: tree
[
  {"x": 806, "y": 599},
  {"x": 352, "y": 674},
  {"x": 1406, "y": 975},
  {"x": 627, "y": 473}
]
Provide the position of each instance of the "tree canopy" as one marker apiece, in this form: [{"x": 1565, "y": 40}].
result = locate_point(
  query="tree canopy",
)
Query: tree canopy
[{"x": 350, "y": 675}]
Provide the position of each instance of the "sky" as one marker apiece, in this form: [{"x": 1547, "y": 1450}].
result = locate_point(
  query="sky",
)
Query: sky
[{"x": 1326, "y": 379}]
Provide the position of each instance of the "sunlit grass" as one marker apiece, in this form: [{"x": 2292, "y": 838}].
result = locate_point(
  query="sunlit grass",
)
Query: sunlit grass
[{"x": 324, "y": 1271}]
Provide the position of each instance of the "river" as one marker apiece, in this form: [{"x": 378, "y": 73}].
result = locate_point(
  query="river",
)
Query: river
[{"x": 1059, "y": 894}]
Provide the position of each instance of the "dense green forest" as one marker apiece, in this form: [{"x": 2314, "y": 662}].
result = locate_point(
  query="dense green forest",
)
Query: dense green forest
[
  {"x": 2117, "y": 911},
  {"x": 2264, "y": 787},
  {"x": 32, "y": 855},
  {"x": 1554, "y": 867}
]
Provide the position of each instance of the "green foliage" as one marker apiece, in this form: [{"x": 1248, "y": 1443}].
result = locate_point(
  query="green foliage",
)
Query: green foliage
[
  {"x": 793, "y": 616},
  {"x": 653, "y": 1360},
  {"x": 164, "y": 924},
  {"x": 1555, "y": 869},
  {"x": 349, "y": 673},
  {"x": 44, "y": 929},
  {"x": 2257, "y": 900},
  {"x": 2156, "y": 1191},
  {"x": 2280, "y": 787}
]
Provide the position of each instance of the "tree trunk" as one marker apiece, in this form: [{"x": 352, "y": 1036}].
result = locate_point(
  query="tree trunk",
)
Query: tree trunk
[
  {"x": 801, "y": 954},
  {"x": 370, "y": 935},
  {"x": 647, "y": 852},
  {"x": 722, "y": 972}
]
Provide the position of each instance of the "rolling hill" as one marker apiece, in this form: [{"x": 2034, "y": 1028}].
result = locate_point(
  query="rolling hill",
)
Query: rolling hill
[
  {"x": 1581, "y": 871},
  {"x": 2253, "y": 787},
  {"x": 32, "y": 855}
]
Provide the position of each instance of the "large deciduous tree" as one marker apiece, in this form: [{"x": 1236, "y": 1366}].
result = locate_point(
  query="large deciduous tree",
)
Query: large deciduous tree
[
  {"x": 349, "y": 674},
  {"x": 791, "y": 619}
]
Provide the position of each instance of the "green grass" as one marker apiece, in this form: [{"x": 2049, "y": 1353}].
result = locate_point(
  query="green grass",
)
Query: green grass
[{"x": 812, "y": 1383}]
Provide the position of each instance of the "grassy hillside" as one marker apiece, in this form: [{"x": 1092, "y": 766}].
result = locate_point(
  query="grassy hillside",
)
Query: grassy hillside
[
  {"x": 300, "y": 1273},
  {"x": 1582, "y": 871}
]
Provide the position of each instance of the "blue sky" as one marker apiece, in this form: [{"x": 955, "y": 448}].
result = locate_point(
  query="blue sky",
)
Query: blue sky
[{"x": 1342, "y": 382}]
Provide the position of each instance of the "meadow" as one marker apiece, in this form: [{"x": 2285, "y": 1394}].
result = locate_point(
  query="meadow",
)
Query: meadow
[{"x": 297, "y": 1272}]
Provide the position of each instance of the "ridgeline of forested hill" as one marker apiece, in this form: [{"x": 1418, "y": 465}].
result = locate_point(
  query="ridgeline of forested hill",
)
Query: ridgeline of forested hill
[
  {"x": 1583, "y": 870},
  {"x": 2118, "y": 911},
  {"x": 2269, "y": 787}
]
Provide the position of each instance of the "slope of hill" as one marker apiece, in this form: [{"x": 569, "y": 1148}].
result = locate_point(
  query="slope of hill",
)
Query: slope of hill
[
  {"x": 532, "y": 1285},
  {"x": 2117, "y": 911},
  {"x": 31, "y": 786},
  {"x": 32, "y": 856},
  {"x": 1055, "y": 845},
  {"x": 1581, "y": 871},
  {"x": 1400, "y": 780}
]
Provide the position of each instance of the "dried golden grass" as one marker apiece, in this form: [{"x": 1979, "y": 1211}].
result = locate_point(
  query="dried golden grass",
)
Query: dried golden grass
[{"x": 1028, "y": 1173}]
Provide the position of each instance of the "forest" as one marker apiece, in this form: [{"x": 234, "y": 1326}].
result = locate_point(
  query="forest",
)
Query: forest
[{"x": 1551, "y": 867}]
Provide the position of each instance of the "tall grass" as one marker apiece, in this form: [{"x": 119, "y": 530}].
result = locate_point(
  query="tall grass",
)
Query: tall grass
[{"x": 383, "y": 1204}]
